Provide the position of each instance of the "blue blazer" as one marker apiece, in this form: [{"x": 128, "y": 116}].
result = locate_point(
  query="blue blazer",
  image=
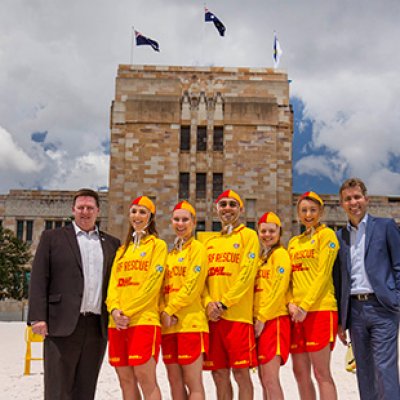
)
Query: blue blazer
[{"x": 382, "y": 265}]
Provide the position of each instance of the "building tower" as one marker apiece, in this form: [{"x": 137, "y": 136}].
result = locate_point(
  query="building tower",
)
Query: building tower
[{"x": 191, "y": 132}]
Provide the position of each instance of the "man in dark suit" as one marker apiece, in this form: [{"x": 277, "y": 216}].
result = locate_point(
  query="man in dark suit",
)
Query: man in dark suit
[
  {"x": 368, "y": 292},
  {"x": 69, "y": 279}
]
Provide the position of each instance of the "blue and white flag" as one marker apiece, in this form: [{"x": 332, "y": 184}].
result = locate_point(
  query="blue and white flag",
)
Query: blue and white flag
[
  {"x": 277, "y": 51},
  {"x": 143, "y": 41},
  {"x": 210, "y": 17}
]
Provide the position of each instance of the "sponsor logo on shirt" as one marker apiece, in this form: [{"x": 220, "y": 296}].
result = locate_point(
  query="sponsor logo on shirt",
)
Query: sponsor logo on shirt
[
  {"x": 299, "y": 268},
  {"x": 170, "y": 289},
  {"x": 218, "y": 271},
  {"x": 127, "y": 281}
]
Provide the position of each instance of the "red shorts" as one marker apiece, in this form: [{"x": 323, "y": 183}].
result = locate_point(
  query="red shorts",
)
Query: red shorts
[
  {"x": 183, "y": 348},
  {"x": 274, "y": 340},
  {"x": 133, "y": 346},
  {"x": 232, "y": 345},
  {"x": 313, "y": 334}
]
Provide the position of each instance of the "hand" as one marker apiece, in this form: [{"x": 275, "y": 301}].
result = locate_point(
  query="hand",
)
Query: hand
[
  {"x": 165, "y": 319},
  {"x": 121, "y": 320},
  {"x": 214, "y": 310},
  {"x": 174, "y": 320},
  {"x": 292, "y": 308},
  {"x": 40, "y": 328},
  {"x": 258, "y": 328},
  {"x": 342, "y": 335},
  {"x": 298, "y": 314}
]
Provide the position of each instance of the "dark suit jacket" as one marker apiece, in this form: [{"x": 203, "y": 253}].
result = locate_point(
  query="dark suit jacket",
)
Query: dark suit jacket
[
  {"x": 382, "y": 265},
  {"x": 56, "y": 286}
]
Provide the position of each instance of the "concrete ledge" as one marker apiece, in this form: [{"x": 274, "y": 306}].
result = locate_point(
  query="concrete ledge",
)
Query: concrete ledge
[{"x": 13, "y": 310}]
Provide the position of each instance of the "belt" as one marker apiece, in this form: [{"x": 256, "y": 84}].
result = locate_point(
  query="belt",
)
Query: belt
[
  {"x": 89, "y": 314},
  {"x": 363, "y": 296}
]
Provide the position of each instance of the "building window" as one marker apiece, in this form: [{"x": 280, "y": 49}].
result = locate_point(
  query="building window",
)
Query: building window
[
  {"x": 48, "y": 225},
  {"x": 184, "y": 185},
  {"x": 251, "y": 224},
  {"x": 218, "y": 184},
  {"x": 201, "y": 226},
  {"x": 51, "y": 224},
  {"x": 218, "y": 139},
  {"x": 28, "y": 227},
  {"x": 1, "y": 223},
  {"x": 201, "y": 179},
  {"x": 216, "y": 226},
  {"x": 201, "y": 138},
  {"x": 185, "y": 138},
  {"x": 20, "y": 230},
  {"x": 29, "y": 231}
]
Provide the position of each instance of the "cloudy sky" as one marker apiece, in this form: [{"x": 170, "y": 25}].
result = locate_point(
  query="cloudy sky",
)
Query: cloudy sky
[{"x": 59, "y": 59}]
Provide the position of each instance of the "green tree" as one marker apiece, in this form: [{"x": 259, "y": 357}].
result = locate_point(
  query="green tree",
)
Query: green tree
[{"x": 14, "y": 257}]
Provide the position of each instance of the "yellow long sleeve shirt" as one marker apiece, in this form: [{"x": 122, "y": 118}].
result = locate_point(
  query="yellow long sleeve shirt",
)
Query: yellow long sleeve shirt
[
  {"x": 184, "y": 280},
  {"x": 312, "y": 262},
  {"x": 136, "y": 280},
  {"x": 271, "y": 289},
  {"x": 232, "y": 266}
]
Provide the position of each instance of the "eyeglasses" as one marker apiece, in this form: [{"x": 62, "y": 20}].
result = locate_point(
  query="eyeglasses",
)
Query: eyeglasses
[{"x": 231, "y": 204}]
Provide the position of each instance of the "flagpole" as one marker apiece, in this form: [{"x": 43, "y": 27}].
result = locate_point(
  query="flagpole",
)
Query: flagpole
[
  {"x": 202, "y": 62},
  {"x": 132, "y": 44}
]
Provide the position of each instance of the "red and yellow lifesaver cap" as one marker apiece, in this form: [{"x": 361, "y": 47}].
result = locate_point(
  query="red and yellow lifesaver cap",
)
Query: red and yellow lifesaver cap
[
  {"x": 270, "y": 217},
  {"x": 231, "y": 194},
  {"x": 145, "y": 202},
  {"x": 311, "y": 195},
  {"x": 185, "y": 205}
]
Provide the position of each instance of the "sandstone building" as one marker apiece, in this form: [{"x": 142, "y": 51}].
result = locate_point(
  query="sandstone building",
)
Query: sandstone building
[{"x": 191, "y": 132}]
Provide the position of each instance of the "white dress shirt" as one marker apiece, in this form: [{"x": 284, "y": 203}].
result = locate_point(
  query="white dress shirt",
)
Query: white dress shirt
[
  {"x": 92, "y": 266},
  {"x": 359, "y": 279}
]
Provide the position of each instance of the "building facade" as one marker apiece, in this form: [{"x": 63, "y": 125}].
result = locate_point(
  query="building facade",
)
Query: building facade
[
  {"x": 29, "y": 212},
  {"x": 190, "y": 133}
]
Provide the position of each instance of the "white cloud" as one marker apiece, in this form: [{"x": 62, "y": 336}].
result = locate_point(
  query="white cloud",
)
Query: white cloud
[
  {"x": 90, "y": 170},
  {"x": 322, "y": 166},
  {"x": 13, "y": 158}
]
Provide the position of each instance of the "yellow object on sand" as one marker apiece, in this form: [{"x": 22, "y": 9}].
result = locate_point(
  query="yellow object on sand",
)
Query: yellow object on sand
[
  {"x": 29, "y": 338},
  {"x": 350, "y": 361}
]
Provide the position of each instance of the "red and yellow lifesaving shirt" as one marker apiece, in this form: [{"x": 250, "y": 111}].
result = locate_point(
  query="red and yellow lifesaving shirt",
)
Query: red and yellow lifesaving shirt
[
  {"x": 312, "y": 259},
  {"x": 136, "y": 280},
  {"x": 271, "y": 288},
  {"x": 232, "y": 266},
  {"x": 184, "y": 280}
]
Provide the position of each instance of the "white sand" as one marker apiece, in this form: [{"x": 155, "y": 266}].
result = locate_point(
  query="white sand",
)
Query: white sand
[{"x": 15, "y": 386}]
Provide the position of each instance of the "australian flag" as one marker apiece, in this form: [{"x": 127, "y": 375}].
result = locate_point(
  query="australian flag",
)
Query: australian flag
[
  {"x": 143, "y": 41},
  {"x": 210, "y": 17}
]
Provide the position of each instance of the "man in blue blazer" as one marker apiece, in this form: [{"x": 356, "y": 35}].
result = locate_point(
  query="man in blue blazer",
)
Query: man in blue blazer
[{"x": 367, "y": 282}]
